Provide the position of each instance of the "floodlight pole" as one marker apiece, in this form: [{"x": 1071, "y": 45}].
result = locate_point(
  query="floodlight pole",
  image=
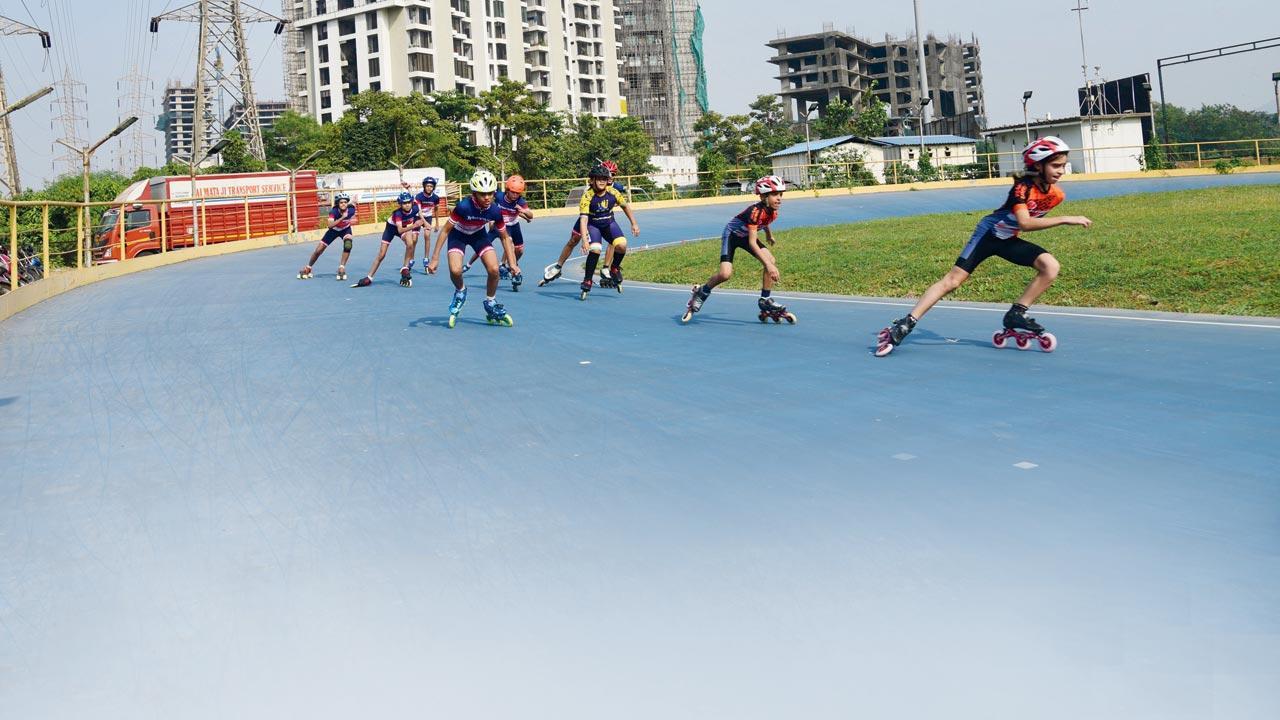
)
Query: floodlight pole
[{"x": 86, "y": 155}]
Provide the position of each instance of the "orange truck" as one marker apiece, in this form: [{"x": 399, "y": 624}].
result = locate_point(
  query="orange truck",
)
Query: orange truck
[{"x": 230, "y": 206}]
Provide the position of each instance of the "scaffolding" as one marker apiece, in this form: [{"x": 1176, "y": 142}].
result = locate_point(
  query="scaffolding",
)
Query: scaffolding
[{"x": 664, "y": 71}]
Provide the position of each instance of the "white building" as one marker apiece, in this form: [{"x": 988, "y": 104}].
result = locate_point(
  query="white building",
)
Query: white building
[
  {"x": 1102, "y": 143},
  {"x": 566, "y": 51},
  {"x": 177, "y": 117},
  {"x": 876, "y": 154}
]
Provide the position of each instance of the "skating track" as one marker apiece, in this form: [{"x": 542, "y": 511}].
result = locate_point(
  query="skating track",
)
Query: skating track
[{"x": 225, "y": 493}]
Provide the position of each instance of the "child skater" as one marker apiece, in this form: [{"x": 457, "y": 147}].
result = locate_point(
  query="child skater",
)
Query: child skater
[
  {"x": 427, "y": 201},
  {"x": 1033, "y": 195},
  {"x": 743, "y": 232},
  {"x": 404, "y": 223},
  {"x": 596, "y": 224},
  {"x": 341, "y": 218},
  {"x": 467, "y": 228},
  {"x": 514, "y": 209}
]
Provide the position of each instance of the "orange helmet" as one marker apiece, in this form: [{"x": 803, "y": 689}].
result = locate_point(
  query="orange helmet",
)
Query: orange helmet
[{"x": 515, "y": 184}]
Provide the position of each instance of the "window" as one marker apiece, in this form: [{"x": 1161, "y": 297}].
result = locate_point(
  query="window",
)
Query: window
[
  {"x": 325, "y": 99},
  {"x": 371, "y": 20},
  {"x": 324, "y": 76},
  {"x": 320, "y": 7},
  {"x": 325, "y": 118},
  {"x": 324, "y": 53},
  {"x": 375, "y": 86},
  {"x": 134, "y": 219},
  {"x": 322, "y": 31},
  {"x": 375, "y": 68},
  {"x": 373, "y": 44},
  {"x": 346, "y": 27}
]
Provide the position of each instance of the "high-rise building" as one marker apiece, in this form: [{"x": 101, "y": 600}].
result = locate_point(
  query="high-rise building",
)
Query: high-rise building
[
  {"x": 666, "y": 82},
  {"x": 177, "y": 115},
  {"x": 268, "y": 112},
  {"x": 833, "y": 65},
  {"x": 566, "y": 51}
]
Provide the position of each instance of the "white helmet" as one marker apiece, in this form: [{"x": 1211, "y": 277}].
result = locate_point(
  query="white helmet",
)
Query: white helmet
[
  {"x": 1042, "y": 149},
  {"x": 341, "y": 196},
  {"x": 770, "y": 184},
  {"x": 483, "y": 181}
]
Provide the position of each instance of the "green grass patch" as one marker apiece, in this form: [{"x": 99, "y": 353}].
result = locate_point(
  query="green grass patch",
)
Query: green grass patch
[{"x": 1203, "y": 251}]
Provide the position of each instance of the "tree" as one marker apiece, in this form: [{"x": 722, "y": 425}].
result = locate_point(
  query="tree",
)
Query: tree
[
  {"x": 379, "y": 128},
  {"x": 872, "y": 118},
  {"x": 768, "y": 130},
  {"x": 1213, "y": 123},
  {"x": 836, "y": 120},
  {"x": 236, "y": 157},
  {"x": 292, "y": 138}
]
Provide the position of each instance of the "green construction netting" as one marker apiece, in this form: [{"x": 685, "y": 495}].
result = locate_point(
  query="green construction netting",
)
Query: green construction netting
[{"x": 695, "y": 43}]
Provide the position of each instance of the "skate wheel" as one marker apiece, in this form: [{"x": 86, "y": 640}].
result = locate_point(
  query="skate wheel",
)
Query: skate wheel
[
  {"x": 583, "y": 296},
  {"x": 764, "y": 318},
  {"x": 688, "y": 315},
  {"x": 1000, "y": 340},
  {"x": 453, "y": 320},
  {"x": 508, "y": 321},
  {"x": 515, "y": 287},
  {"x": 884, "y": 349},
  {"x": 883, "y": 336},
  {"x": 1022, "y": 343},
  {"x": 1048, "y": 342},
  {"x": 791, "y": 318}
]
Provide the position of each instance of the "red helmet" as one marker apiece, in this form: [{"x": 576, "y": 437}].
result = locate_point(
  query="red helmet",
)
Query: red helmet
[
  {"x": 1043, "y": 149},
  {"x": 770, "y": 184},
  {"x": 611, "y": 166},
  {"x": 515, "y": 184}
]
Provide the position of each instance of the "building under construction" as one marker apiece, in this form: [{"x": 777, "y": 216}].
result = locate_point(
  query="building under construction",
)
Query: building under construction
[
  {"x": 666, "y": 80},
  {"x": 832, "y": 65}
]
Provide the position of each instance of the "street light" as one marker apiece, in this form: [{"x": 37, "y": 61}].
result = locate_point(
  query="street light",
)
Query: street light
[
  {"x": 27, "y": 100},
  {"x": 923, "y": 103},
  {"x": 1026, "y": 121},
  {"x": 192, "y": 164},
  {"x": 292, "y": 198},
  {"x": 85, "y": 154},
  {"x": 808, "y": 157},
  {"x": 401, "y": 166},
  {"x": 1275, "y": 78}
]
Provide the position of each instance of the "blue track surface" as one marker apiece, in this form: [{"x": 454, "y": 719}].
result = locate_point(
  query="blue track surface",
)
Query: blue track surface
[{"x": 229, "y": 493}]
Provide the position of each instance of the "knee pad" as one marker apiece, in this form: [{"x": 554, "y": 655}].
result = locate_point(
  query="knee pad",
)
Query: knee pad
[
  {"x": 346, "y": 244},
  {"x": 595, "y": 247},
  {"x": 619, "y": 245}
]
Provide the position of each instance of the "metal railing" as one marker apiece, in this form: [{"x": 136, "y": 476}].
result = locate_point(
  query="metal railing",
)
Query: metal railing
[{"x": 47, "y": 235}]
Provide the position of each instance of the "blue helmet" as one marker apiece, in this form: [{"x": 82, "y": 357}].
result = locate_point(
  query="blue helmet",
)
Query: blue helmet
[
  {"x": 404, "y": 197},
  {"x": 429, "y": 179}
]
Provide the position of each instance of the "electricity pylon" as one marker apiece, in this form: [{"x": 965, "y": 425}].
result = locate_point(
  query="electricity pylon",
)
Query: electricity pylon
[{"x": 222, "y": 31}]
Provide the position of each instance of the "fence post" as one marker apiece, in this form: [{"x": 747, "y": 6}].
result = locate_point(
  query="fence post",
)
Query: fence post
[
  {"x": 1199, "y": 164},
  {"x": 79, "y": 238},
  {"x": 1257, "y": 151},
  {"x": 44, "y": 237},
  {"x": 13, "y": 248},
  {"x": 673, "y": 187},
  {"x": 204, "y": 225},
  {"x": 545, "y": 206},
  {"x": 247, "y": 234},
  {"x": 375, "y": 206},
  {"x": 164, "y": 227},
  {"x": 120, "y": 231}
]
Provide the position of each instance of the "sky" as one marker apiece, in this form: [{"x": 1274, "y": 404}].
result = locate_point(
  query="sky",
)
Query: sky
[{"x": 1025, "y": 46}]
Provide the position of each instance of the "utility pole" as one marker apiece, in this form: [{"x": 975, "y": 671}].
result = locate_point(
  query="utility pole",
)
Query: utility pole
[
  {"x": 924, "y": 71},
  {"x": 12, "y": 180},
  {"x": 137, "y": 147},
  {"x": 1079, "y": 10},
  {"x": 221, "y": 25}
]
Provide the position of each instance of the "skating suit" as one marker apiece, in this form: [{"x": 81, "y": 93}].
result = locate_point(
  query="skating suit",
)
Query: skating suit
[
  {"x": 342, "y": 228},
  {"x": 598, "y": 210},
  {"x": 997, "y": 233},
  {"x": 736, "y": 232},
  {"x": 400, "y": 221},
  {"x": 428, "y": 204},
  {"x": 510, "y": 217},
  {"x": 470, "y": 225}
]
